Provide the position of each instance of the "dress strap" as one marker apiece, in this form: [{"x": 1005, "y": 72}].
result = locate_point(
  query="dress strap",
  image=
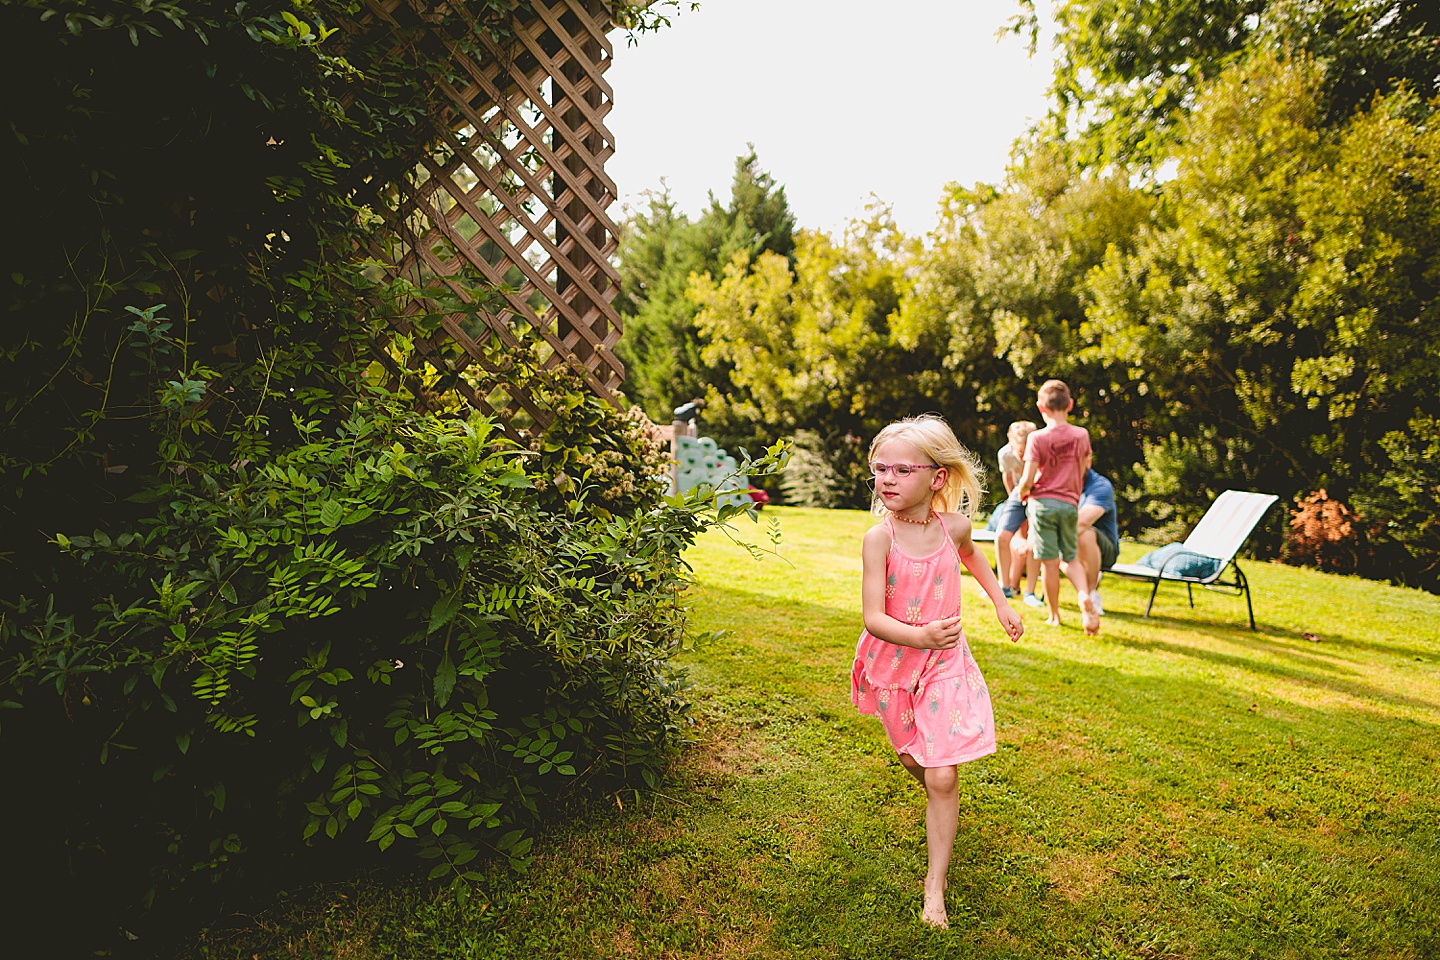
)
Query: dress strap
[
  {"x": 946, "y": 530},
  {"x": 941, "y": 517}
]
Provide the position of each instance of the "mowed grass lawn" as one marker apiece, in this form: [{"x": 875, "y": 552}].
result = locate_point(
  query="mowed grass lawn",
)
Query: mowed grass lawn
[{"x": 1177, "y": 787}]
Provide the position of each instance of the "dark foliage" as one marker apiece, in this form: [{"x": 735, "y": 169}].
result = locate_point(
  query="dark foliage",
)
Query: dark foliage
[{"x": 256, "y": 609}]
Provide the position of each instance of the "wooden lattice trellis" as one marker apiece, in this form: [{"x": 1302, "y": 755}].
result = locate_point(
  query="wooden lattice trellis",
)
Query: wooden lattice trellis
[{"x": 514, "y": 188}]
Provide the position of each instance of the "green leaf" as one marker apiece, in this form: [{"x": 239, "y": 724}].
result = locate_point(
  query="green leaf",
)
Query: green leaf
[
  {"x": 331, "y": 514},
  {"x": 444, "y": 680},
  {"x": 444, "y": 610}
]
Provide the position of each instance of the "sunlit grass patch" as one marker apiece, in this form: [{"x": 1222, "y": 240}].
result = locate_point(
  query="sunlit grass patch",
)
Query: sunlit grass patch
[{"x": 1178, "y": 787}]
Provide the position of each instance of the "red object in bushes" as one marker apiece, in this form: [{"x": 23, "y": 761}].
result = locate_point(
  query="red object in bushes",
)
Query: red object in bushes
[{"x": 759, "y": 496}]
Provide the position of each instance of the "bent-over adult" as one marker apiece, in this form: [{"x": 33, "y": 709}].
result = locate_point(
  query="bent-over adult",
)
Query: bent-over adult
[{"x": 1097, "y": 534}]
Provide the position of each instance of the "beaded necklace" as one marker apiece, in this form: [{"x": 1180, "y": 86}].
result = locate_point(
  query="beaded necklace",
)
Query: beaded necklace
[{"x": 918, "y": 523}]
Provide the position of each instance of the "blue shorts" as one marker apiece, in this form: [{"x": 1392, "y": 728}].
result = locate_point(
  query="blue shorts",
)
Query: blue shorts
[{"x": 1009, "y": 516}]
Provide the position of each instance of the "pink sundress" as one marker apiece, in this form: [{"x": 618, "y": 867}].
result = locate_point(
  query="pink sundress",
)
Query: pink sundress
[{"x": 933, "y": 704}]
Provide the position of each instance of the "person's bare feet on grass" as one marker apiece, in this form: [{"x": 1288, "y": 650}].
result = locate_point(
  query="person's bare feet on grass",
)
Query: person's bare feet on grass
[
  {"x": 934, "y": 911},
  {"x": 1089, "y": 618},
  {"x": 1052, "y": 621}
]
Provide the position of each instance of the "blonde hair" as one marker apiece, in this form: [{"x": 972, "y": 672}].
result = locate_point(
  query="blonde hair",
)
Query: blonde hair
[
  {"x": 1021, "y": 429},
  {"x": 932, "y": 436}
]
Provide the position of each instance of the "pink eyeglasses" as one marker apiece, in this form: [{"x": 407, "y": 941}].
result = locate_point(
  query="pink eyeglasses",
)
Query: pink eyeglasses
[{"x": 900, "y": 469}]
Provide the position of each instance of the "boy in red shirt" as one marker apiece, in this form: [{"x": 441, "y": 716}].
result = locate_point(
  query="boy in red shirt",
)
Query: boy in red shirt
[{"x": 1056, "y": 459}]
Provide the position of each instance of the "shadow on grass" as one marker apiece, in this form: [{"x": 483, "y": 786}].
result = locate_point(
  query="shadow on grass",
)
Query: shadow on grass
[
  {"x": 1222, "y": 617},
  {"x": 1125, "y": 812},
  {"x": 739, "y": 610},
  {"x": 1282, "y": 637},
  {"x": 1337, "y": 683},
  {"x": 1267, "y": 640}
]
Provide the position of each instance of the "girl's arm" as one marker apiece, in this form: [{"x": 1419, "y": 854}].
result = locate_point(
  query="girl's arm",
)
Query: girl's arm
[
  {"x": 936, "y": 635},
  {"x": 979, "y": 567}
]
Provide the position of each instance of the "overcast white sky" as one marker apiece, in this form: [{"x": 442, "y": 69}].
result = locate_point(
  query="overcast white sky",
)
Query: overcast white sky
[{"x": 842, "y": 99}]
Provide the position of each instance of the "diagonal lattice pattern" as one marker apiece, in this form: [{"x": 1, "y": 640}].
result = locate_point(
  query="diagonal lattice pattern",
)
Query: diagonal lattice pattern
[{"x": 513, "y": 189}]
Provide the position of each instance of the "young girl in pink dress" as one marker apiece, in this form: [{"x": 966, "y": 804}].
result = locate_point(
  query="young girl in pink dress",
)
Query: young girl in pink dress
[{"x": 913, "y": 668}]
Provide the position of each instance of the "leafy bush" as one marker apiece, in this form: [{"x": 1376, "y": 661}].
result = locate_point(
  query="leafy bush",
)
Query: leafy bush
[
  {"x": 379, "y": 629},
  {"x": 250, "y": 595},
  {"x": 825, "y": 472}
]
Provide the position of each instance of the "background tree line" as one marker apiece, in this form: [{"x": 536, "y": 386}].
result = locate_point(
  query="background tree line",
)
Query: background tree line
[{"x": 1225, "y": 236}]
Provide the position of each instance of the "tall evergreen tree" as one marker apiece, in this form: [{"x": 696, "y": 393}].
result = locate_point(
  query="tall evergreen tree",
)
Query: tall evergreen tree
[{"x": 659, "y": 252}]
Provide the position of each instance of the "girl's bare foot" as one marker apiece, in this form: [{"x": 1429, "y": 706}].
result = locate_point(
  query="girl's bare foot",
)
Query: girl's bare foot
[
  {"x": 934, "y": 911},
  {"x": 1089, "y": 618},
  {"x": 1052, "y": 621}
]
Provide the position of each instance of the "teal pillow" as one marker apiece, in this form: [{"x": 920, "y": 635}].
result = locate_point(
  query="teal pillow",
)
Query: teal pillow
[{"x": 1175, "y": 561}]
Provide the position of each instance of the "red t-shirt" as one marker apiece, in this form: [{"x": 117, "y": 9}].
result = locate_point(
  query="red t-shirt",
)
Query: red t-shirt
[{"x": 1060, "y": 451}]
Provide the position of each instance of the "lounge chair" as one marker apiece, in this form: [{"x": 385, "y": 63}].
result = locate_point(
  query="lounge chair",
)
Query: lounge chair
[
  {"x": 1218, "y": 536},
  {"x": 986, "y": 534}
]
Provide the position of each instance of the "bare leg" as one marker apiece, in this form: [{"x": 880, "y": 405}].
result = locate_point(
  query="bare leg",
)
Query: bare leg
[
  {"x": 912, "y": 767},
  {"x": 1002, "y": 555},
  {"x": 1087, "y": 554},
  {"x": 1023, "y": 564},
  {"x": 1051, "y": 570},
  {"x": 1084, "y": 572},
  {"x": 942, "y": 818}
]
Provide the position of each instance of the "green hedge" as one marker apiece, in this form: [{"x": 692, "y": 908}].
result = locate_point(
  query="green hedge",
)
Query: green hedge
[
  {"x": 258, "y": 615},
  {"x": 384, "y": 630}
]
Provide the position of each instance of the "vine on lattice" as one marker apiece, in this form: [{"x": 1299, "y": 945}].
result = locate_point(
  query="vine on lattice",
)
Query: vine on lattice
[{"x": 514, "y": 192}]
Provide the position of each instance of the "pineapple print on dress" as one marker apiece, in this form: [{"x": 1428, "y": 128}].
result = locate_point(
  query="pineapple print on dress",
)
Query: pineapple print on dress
[
  {"x": 913, "y": 611},
  {"x": 957, "y": 722},
  {"x": 939, "y": 585},
  {"x": 890, "y": 586},
  {"x": 972, "y": 674}
]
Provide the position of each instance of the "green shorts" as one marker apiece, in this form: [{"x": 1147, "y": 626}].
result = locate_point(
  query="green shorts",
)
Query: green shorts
[
  {"x": 1053, "y": 528},
  {"x": 1109, "y": 550}
]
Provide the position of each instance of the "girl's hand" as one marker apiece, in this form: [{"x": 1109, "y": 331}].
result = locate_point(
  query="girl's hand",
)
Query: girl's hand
[
  {"x": 940, "y": 634},
  {"x": 1010, "y": 620}
]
